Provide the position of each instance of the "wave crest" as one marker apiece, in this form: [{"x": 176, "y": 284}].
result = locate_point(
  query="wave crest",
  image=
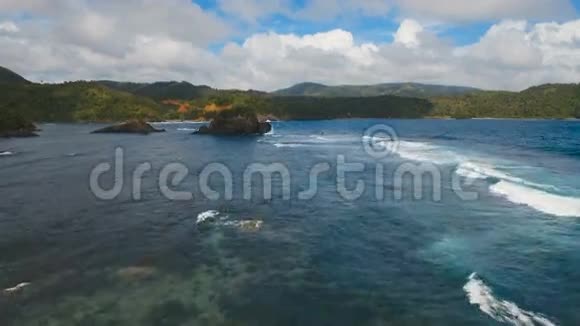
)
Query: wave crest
[
  {"x": 420, "y": 152},
  {"x": 481, "y": 295},
  {"x": 207, "y": 215},
  {"x": 539, "y": 200}
]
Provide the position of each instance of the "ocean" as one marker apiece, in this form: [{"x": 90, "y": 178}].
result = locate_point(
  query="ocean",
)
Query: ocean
[{"x": 425, "y": 222}]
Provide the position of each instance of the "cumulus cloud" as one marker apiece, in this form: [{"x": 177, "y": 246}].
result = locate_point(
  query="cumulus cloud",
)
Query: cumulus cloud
[
  {"x": 511, "y": 55},
  {"x": 8, "y": 27},
  {"x": 111, "y": 26},
  {"x": 168, "y": 40},
  {"x": 312, "y": 10},
  {"x": 443, "y": 11},
  {"x": 461, "y": 10},
  {"x": 252, "y": 10},
  {"x": 408, "y": 33},
  {"x": 328, "y": 9}
]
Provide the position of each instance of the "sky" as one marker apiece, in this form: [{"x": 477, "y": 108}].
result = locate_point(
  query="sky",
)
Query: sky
[{"x": 272, "y": 44}]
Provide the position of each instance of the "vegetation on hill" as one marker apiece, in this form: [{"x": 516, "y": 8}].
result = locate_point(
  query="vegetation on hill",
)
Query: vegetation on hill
[
  {"x": 398, "y": 89},
  {"x": 8, "y": 76},
  {"x": 22, "y": 102},
  {"x": 546, "y": 101},
  {"x": 306, "y": 108},
  {"x": 77, "y": 101},
  {"x": 160, "y": 91},
  {"x": 13, "y": 124}
]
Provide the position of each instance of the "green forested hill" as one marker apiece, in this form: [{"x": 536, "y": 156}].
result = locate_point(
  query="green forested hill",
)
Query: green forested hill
[
  {"x": 162, "y": 90},
  {"x": 8, "y": 76},
  {"x": 77, "y": 101},
  {"x": 398, "y": 89},
  {"x": 303, "y": 108},
  {"x": 21, "y": 100},
  {"x": 308, "y": 108},
  {"x": 546, "y": 101}
]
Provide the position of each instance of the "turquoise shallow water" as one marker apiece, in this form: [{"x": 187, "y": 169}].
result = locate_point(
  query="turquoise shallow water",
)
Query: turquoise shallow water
[{"x": 508, "y": 257}]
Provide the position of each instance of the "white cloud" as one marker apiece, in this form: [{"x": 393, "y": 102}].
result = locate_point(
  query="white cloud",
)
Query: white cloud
[
  {"x": 507, "y": 44},
  {"x": 252, "y": 10},
  {"x": 328, "y": 9},
  {"x": 34, "y": 6},
  {"x": 313, "y": 10},
  {"x": 511, "y": 55},
  {"x": 163, "y": 40},
  {"x": 442, "y": 11},
  {"x": 110, "y": 26},
  {"x": 9, "y": 27},
  {"x": 462, "y": 10},
  {"x": 408, "y": 33}
]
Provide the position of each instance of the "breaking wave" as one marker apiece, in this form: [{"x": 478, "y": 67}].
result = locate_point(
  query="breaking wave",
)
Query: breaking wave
[
  {"x": 288, "y": 145},
  {"x": 207, "y": 215},
  {"x": 539, "y": 200},
  {"x": 481, "y": 295},
  {"x": 425, "y": 152},
  {"x": 540, "y": 197},
  {"x": 522, "y": 192}
]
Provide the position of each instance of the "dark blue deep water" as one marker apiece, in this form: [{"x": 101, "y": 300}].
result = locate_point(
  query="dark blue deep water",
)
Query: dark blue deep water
[{"x": 511, "y": 256}]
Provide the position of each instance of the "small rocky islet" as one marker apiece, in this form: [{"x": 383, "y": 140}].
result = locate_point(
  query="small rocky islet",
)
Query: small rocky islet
[
  {"x": 224, "y": 124},
  {"x": 129, "y": 127},
  {"x": 14, "y": 126},
  {"x": 227, "y": 123},
  {"x": 236, "y": 122}
]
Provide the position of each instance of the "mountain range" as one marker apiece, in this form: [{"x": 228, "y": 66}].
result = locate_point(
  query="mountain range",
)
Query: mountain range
[
  {"x": 397, "y": 89},
  {"x": 23, "y": 100}
]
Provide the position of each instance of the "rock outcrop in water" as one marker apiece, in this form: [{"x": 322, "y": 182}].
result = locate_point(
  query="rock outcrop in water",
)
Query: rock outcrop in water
[
  {"x": 12, "y": 125},
  {"x": 130, "y": 127},
  {"x": 235, "y": 122}
]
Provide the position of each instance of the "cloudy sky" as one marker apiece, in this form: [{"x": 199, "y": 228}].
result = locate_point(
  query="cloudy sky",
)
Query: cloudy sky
[{"x": 270, "y": 44}]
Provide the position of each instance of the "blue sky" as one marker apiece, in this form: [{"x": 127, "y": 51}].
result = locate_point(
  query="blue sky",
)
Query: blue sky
[
  {"x": 368, "y": 28},
  {"x": 270, "y": 44}
]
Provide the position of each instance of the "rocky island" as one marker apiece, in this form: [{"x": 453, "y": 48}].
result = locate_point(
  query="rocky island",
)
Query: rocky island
[
  {"x": 234, "y": 122},
  {"x": 13, "y": 125},
  {"x": 129, "y": 127}
]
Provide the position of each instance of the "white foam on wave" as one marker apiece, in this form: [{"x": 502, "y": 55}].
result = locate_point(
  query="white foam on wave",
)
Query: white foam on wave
[
  {"x": 207, "y": 215},
  {"x": 537, "y": 199},
  {"x": 424, "y": 152},
  {"x": 7, "y": 153},
  {"x": 271, "y": 132},
  {"x": 324, "y": 139},
  {"x": 289, "y": 145},
  {"x": 481, "y": 295},
  {"x": 473, "y": 170},
  {"x": 186, "y": 129},
  {"x": 17, "y": 288},
  {"x": 522, "y": 192},
  {"x": 515, "y": 189},
  {"x": 216, "y": 218},
  {"x": 313, "y": 140}
]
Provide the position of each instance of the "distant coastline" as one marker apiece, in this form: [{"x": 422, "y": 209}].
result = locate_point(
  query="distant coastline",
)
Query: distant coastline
[{"x": 108, "y": 102}]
